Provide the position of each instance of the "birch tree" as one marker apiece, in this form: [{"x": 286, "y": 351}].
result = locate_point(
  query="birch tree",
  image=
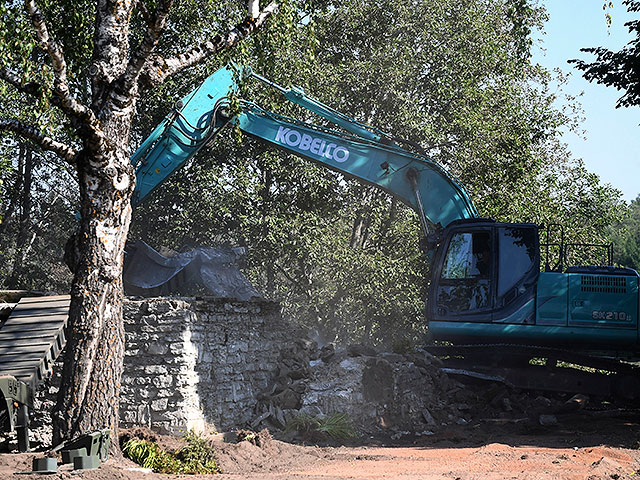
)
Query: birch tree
[{"x": 96, "y": 106}]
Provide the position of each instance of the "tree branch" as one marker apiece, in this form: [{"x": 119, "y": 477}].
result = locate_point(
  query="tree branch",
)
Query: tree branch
[
  {"x": 31, "y": 88},
  {"x": 60, "y": 84},
  {"x": 253, "y": 8},
  {"x": 155, "y": 27},
  {"x": 158, "y": 69},
  {"x": 46, "y": 143},
  {"x": 110, "y": 46},
  {"x": 144, "y": 11}
]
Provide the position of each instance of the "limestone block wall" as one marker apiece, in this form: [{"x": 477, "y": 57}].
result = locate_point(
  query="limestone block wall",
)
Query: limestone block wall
[
  {"x": 191, "y": 362},
  {"x": 228, "y": 364}
]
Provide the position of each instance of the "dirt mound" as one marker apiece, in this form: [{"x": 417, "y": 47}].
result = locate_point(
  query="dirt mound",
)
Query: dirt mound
[
  {"x": 580, "y": 448},
  {"x": 271, "y": 456}
]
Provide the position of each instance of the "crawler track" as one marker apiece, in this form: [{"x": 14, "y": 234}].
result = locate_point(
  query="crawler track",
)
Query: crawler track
[{"x": 543, "y": 368}]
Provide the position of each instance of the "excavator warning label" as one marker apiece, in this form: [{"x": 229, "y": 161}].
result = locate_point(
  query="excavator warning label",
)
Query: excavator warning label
[{"x": 317, "y": 146}]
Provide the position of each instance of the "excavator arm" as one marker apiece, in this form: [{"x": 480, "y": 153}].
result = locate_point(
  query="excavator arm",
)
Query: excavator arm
[{"x": 363, "y": 153}]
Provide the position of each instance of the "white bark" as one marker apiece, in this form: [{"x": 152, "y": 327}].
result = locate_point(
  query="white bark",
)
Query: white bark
[
  {"x": 34, "y": 134},
  {"x": 253, "y": 8},
  {"x": 111, "y": 41},
  {"x": 158, "y": 69}
]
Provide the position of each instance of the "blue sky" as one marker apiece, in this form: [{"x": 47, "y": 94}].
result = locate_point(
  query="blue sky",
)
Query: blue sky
[{"x": 611, "y": 148}]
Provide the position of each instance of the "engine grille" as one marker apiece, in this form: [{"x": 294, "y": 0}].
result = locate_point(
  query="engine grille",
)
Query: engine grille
[{"x": 603, "y": 284}]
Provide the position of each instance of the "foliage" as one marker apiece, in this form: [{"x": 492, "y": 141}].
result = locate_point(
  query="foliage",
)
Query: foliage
[
  {"x": 626, "y": 238},
  {"x": 618, "y": 69},
  {"x": 337, "y": 426},
  {"x": 143, "y": 452},
  {"x": 344, "y": 258},
  {"x": 38, "y": 208},
  {"x": 196, "y": 457}
]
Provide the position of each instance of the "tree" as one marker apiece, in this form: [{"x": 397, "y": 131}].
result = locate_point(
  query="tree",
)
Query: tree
[
  {"x": 618, "y": 69},
  {"x": 626, "y": 238},
  {"x": 89, "y": 68}
]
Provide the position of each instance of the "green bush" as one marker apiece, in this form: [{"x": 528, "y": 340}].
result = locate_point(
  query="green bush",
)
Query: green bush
[
  {"x": 197, "y": 456},
  {"x": 337, "y": 426}
]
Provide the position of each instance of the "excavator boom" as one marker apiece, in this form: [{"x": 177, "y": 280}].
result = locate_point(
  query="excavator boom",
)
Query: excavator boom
[{"x": 363, "y": 153}]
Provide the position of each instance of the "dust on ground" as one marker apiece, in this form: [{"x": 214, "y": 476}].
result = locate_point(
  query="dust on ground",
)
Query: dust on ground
[{"x": 578, "y": 447}]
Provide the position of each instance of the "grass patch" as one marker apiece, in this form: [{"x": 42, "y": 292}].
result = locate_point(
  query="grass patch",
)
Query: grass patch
[
  {"x": 337, "y": 426},
  {"x": 197, "y": 456}
]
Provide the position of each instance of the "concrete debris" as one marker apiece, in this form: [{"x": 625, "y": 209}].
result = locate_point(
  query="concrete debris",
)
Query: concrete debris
[
  {"x": 327, "y": 352},
  {"x": 394, "y": 393},
  {"x": 575, "y": 403},
  {"x": 360, "y": 350},
  {"x": 542, "y": 402},
  {"x": 260, "y": 419},
  {"x": 428, "y": 417},
  {"x": 377, "y": 391}
]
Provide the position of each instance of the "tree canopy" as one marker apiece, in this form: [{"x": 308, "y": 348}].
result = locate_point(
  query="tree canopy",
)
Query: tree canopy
[
  {"x": 619, "y": 69},
  {"x": 344, "y": 258}
]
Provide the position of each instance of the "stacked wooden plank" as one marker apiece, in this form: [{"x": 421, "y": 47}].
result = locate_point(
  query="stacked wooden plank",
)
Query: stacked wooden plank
[{"x": 32, "y": 337}]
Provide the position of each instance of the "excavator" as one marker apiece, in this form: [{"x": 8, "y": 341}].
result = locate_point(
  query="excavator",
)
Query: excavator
[{"x": 486, "y": 287}]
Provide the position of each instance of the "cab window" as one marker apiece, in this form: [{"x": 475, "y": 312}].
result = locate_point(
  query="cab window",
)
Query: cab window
[
  {"x": 518, "y": 252},
  {"x": 466, "y": 273}
]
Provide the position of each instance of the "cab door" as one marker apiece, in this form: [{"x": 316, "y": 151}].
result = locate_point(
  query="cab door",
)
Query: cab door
[
  {"x": 464, "y": 289},
  {"x": 518, "y": 270}
]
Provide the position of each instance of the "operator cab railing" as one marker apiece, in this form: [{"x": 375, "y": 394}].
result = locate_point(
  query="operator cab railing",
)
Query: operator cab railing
[{"x": 557, "y": 254}]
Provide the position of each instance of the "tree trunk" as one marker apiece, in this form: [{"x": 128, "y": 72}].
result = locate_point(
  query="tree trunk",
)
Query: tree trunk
[
  {"x": 25, "y": 171},
  {"x": 12, "y": 201},
  {"x": 89, "y": 394}
]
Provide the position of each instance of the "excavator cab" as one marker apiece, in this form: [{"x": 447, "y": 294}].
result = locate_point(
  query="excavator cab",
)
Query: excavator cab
[{"x": 484, "y": 272}]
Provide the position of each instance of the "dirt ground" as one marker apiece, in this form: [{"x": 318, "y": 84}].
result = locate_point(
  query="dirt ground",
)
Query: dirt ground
[{"x": 580, "y": 446}]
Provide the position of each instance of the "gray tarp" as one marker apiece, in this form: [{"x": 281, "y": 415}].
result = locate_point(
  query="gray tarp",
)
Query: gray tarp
[{"x": 202, "y": 271}]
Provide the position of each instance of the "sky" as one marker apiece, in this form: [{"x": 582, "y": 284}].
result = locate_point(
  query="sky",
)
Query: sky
[{"x": 611, "y": 148}]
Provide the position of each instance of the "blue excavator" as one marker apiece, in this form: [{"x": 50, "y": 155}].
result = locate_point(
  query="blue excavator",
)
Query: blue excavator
[{"x": 486, "y": 286}]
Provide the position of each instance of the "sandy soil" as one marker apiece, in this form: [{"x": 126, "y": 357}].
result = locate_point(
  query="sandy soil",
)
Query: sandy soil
[{"x": 580, "y": 447}]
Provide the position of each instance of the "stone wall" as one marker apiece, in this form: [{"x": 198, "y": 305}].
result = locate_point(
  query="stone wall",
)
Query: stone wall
[
  {"x": 197, "y": 363},
  {"x": 191, "y": 362}
]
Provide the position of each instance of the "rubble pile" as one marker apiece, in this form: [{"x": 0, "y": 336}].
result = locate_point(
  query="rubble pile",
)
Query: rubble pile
[
  {"x": 376, "y": 390},
  {"x": 395, "y": 394}
]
